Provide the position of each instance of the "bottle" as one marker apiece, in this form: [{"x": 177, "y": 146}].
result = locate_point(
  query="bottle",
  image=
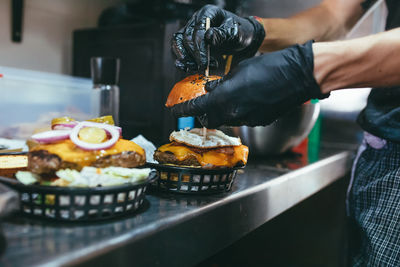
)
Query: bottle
[
  {"x": 105, "y": 75},
  {"x": 314, "y": 138}
]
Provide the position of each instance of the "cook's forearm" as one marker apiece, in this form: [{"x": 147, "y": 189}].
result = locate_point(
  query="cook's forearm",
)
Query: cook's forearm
[
  {"x": 372, "y": 61},
  {"x": 327, "y": 21}
]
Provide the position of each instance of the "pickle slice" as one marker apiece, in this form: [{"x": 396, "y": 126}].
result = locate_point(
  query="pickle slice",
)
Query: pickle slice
[
  {"x": 61, "y": 120},
  {"x": 92, "y": 135},
  {"x": 105, "y": 119}
]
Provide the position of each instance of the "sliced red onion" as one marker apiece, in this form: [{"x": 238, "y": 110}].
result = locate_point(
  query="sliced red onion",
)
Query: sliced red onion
[
  {"x": 64, "y": 126},
  {"x": 90, "y": 146},
  {"x": 116, "y": 127},
  {"x": 51, "y": 136},
  {"x": 119, "y": 129},
  {"x": 72, "y": 124}
]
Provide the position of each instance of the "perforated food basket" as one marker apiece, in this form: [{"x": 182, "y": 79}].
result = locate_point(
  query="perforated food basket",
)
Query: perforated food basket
[
  {"x": 80, "y": 204},
  {"x": 193, "y": 180}
]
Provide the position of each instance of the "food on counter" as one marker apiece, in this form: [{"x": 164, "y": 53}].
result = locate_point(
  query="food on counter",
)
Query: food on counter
[
  {"x": 189, "y": 148},
  {"x": 48, "y": 158},
  {"x": 190, "y": 87},
  {"x": 87, "y": 177},
  {"x": 86, "y": 154},
  {"x": 10, "y": 164},
  {"x": 203, "y": 148}
]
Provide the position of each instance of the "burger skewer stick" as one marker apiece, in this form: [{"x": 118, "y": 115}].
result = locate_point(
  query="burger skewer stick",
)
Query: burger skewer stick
[
  {"x": 228, "y": 64},
  {"x": 204, "y": 134},
  {"x": 207, "y": 72},
  {"x": 208, "y": 49}
]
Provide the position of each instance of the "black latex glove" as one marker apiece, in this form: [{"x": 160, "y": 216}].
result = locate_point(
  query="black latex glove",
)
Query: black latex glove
[
  {"x": 229, "y": 33},
  {"x": 258, "y": 90}
]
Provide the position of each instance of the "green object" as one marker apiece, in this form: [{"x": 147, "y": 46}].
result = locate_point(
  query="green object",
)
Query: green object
[{"x": 314, "y": 138}]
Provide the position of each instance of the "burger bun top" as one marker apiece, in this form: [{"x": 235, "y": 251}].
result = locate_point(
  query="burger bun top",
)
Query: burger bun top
[{"x": 191, "y": 87}]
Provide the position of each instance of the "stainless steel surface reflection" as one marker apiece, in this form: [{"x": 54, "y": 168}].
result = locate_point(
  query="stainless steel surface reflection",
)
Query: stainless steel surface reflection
[
  {"x": 172, "y": 229},
  {"x": 280, "y": 136}
]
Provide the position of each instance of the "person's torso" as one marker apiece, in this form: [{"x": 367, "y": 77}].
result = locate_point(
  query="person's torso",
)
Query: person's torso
[
  {"x": 393, "y": 19},
  {"x": 381, "y": 116}
]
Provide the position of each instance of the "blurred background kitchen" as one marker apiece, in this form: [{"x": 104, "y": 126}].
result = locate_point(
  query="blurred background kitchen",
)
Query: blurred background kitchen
[
  {"x": 58, "y": 38},
  {"x": 45, "y": 51}
]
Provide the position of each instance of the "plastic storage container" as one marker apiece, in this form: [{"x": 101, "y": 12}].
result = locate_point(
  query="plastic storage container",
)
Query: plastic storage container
[{"x": 30, "y": 100}]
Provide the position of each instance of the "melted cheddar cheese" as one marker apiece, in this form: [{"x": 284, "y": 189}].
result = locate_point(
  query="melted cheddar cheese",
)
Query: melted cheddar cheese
[
  {"x": 211, "y": 156},
  {"x": 68, "y": 151}
]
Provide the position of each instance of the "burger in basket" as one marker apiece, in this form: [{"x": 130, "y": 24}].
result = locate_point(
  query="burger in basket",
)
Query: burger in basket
[
  {"x": 189, "y": 148},
  {"x": 83, "y": 154},
  {"x": 201, "y": 148}
]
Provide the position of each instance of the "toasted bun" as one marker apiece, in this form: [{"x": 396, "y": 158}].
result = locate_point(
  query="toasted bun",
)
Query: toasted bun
[
  {"x": 10, "y": 164},
  {"x": 194, "y": 138},
  {"x": 190, "y": 87}
]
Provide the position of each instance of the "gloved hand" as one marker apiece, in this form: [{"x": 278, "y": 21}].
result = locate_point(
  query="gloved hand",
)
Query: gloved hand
[
  {"x": 258, "y": 90},
  {"x": 229, "y": 34}
]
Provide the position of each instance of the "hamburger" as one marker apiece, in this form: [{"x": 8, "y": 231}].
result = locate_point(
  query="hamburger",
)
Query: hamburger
[
  {"x": 88, "y": 153},
  {"x": 190, "y": 148},
  {"x": 202, "y": 148}
]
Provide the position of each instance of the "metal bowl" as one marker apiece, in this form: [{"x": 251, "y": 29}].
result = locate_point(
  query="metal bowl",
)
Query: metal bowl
[{"x": 280, "y": 136}]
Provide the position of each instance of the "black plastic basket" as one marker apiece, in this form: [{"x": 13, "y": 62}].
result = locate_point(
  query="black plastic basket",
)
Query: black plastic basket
[
  {"x": 80, "y": 204},
  {"x": 193, "y": 180}
]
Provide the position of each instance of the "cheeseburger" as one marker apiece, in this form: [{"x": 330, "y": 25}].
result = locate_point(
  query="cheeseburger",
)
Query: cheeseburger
[
  {"x": 84, "y": 153},
  {"x": 204, "y": 148},
  {"x": 189, "y": 148}
]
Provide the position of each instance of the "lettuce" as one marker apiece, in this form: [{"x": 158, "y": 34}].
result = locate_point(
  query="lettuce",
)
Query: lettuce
[
  {"x": 27, "y": 178},
  {"x": 68, "y": 174},
  {"x": 132, "y": 174},
  {"x": 89, "y": 177}
]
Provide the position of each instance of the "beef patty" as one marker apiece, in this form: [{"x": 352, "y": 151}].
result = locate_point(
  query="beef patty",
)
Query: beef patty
[
  {"x": 168, "y": 157},
  {"x": 43, "y": 162}
]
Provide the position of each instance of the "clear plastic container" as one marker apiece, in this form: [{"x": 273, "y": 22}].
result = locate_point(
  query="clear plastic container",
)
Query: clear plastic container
[{"x": 29, "y": 100}]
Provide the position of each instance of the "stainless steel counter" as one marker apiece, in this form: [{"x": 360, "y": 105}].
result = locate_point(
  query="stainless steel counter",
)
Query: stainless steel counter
[{"x": 175, "y": 230}]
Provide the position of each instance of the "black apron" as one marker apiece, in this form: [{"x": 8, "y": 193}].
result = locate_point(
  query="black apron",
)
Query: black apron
[{"x": 381, "y": 116}]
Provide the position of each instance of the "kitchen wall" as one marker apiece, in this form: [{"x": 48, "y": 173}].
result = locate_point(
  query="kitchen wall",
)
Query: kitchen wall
[
  {"x": 48, "y": 26},
  {"x": 276, "y": 8},
  {"x": 47, "y": 32}
]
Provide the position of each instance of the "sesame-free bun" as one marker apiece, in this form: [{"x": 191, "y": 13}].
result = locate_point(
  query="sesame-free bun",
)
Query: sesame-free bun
[{"x": 191, "y": 87}]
